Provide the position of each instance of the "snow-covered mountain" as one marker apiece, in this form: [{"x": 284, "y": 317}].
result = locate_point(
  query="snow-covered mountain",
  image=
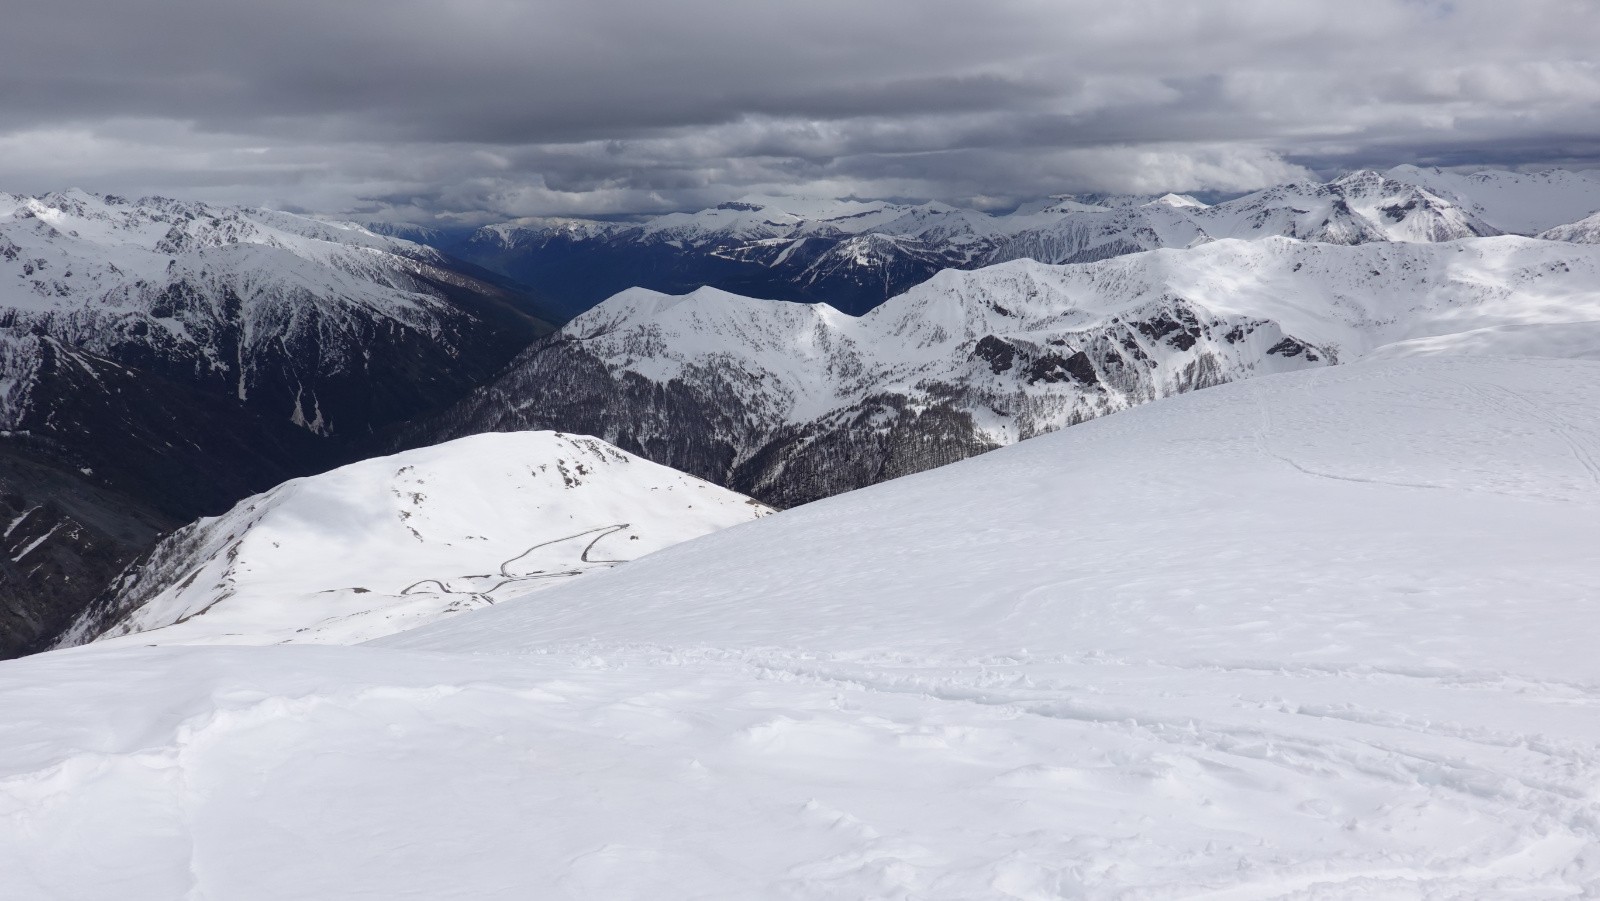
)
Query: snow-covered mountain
[
  {"x": 321, "y": 324},
  {"x": 393, "y": 542},
  {"x": 1584, "y": 231},
  {"x": 855, "y": 255},
  {"x": 1325, "y": 634},
  {"x": 1518, "y": 202},
  {"x": 791, "y": 402},
  {"x": 174, "y": 357}
]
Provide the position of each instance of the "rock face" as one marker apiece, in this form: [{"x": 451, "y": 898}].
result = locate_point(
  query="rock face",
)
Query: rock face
[
  {"x": 63, "y": 539},
  {"x": 173, "y": 357},
  {"x": 791, "y": 402}
]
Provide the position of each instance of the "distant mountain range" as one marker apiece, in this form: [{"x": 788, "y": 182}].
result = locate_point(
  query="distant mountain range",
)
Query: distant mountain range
[{"x": 855, "y": 255}]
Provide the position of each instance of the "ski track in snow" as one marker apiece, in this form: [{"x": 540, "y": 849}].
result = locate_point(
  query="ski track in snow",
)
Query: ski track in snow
[
  {"x": 1216, "y": 647},
  {"x": 444, "y": 585},
  {"x": 392, "y": 542}
]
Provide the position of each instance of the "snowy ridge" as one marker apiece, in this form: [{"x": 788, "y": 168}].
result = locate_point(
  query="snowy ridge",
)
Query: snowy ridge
[
  {"x": 1324, "y": 634},
  {"x": 799, "y": 401},
  {"x": 393, "y": 542}
]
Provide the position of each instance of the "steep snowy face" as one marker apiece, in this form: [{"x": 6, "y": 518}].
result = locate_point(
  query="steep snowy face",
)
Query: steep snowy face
[
  {"x": 299, "y": 318},
  {"x": 1326, "y": 634},
  {"x": 392, "y": 542},
  {"x": 791, "y": 402},
  {"x": 1522, "y": 203}
]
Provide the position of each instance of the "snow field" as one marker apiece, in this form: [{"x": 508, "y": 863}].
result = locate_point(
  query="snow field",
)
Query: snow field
[{"x": 1318, "y": 635}]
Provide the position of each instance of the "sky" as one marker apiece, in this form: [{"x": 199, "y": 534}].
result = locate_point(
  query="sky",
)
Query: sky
[{"x": 478, "y": 110}]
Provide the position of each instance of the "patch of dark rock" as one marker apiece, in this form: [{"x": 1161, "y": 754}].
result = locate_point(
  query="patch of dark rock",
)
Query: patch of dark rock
[
  {"x": 997, "y": 353},
  {"x": 1290, "y": 347}
]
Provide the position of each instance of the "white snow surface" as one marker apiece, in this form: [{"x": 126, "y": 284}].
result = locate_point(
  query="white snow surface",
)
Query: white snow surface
[
  {"x": 393, "y": 542},
  {"x": 1326, "y": 634}
]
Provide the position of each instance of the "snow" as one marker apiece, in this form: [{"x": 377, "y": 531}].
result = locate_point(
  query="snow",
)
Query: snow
[
  {"x": 1406, "y": 204},
  {"x": 76, "y": 251},
  {"x": 1519, "y": 202},
  {"x": 1321, "y": 634},
  {"x": 1584, "y": 231},
  {"x": 209, "y": 290},
  {"x": 28, "y": 548},
  {"x": 807, "y": 360},
  {"x": 393, "y": 542}
]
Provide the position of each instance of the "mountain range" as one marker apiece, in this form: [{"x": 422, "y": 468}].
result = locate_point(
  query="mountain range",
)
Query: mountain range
[
  {"x": 793, "y": 402},
  {"x": 474, "y": 608},
  {"x": 161, "y": 360},
  {"x": 855, "y": 255}
]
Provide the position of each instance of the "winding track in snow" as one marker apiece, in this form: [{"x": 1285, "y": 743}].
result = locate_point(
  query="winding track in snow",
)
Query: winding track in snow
[{"x": 511, "y": 578}]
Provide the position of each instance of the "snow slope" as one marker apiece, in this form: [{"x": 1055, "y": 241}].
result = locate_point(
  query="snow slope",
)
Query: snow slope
[
  {"x": 1325, "y": 634},
  {"x": 392, "y": 542}
]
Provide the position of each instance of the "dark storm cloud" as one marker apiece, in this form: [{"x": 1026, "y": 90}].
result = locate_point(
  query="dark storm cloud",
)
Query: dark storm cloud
[{"x": 494, "y": 108}]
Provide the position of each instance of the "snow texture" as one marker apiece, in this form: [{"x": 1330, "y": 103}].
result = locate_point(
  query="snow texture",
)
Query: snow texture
[{"x": 1323, "y": 634}]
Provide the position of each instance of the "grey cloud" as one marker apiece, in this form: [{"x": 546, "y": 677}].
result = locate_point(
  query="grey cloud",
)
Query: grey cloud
[{"x": 479, "y": 109}]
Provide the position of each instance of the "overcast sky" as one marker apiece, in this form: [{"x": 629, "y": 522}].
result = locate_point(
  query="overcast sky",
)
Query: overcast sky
[{"x": 490, "y": 109}]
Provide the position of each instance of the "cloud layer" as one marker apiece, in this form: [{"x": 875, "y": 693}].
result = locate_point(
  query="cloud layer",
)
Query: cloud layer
[{"x": 476, "y": 109}]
